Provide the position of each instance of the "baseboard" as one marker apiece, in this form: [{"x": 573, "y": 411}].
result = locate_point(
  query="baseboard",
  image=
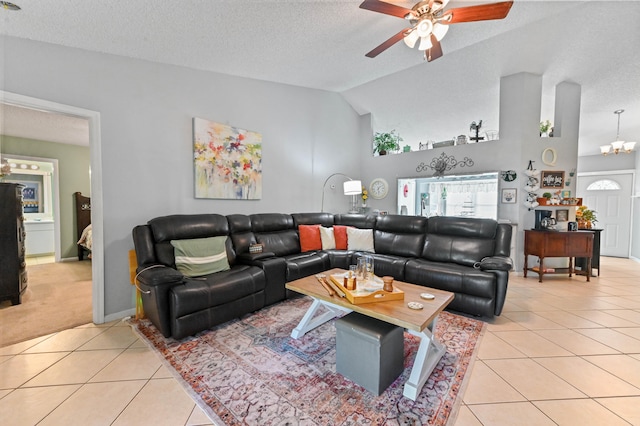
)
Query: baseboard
[{"x": 120, "y": 315}]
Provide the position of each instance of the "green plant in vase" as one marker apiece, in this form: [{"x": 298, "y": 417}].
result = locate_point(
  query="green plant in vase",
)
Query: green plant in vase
[
  {"x": 547, "y": 196},
  {"x": 585, "y": 217},
  {"x": 545, "y": 126},
  {"x": 386, "y": 142}
]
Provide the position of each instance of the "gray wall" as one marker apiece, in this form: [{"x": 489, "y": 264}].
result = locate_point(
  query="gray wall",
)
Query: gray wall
[
  {"x": 146, "y": 112},
  {"x": 73, "y": 166}
]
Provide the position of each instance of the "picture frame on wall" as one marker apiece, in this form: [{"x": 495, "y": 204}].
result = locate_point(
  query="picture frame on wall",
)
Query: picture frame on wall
[
  {"x": 566, "y": 194},
  {"x": 562, "y": 215},
  {"x": 552, "y": 179},
  {"x": 31, "y": 196},
  {"x": 508, "y": 195},
  {"x": 227, "y": 161}
]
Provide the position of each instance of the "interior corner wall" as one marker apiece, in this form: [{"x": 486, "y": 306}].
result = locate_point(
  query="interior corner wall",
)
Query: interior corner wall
[
  {"x": 520, "y": 102},
  {"x": 73, "y": 174},
  {"x": 146, "y": 111}
]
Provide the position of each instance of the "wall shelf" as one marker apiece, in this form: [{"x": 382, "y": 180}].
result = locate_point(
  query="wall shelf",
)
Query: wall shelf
[{"x": 577, "y": 202}]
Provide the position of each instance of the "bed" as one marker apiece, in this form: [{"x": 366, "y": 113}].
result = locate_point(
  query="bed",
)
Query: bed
[{"x": 83, "y": 225}]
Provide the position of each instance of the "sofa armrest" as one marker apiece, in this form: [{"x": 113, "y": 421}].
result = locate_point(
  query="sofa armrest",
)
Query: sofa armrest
[
  {"x": 155, "y": 283},
  {"x": 157, "y": 275},
  {"x": 496, "y": 263},
  {"x": 251, "y": 258},
  {"x": 500, "y": 267},
  {"x": 275, "y": 272}
]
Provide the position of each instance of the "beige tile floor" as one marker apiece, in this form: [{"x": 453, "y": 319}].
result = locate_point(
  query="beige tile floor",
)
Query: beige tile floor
[{"x": 564, "y": 352}]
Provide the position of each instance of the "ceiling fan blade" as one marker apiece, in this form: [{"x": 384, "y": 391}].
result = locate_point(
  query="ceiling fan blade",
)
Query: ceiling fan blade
[
  {"x": 436, "y": 50},
  {"x": 483, "y": 12},
  {"x": 386, "y": 8},
  {"x": 387, "y": 44}
]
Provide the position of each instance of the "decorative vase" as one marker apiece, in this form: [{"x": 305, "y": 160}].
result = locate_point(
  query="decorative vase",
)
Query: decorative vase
[{"x": 584, "y": 224}]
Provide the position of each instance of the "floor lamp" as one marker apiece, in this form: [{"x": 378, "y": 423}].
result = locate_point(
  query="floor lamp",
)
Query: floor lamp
[{"x": 351, "y": 187}]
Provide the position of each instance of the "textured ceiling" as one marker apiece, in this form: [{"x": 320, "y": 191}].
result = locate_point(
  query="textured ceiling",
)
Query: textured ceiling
[{"x": 321, "y": 44}]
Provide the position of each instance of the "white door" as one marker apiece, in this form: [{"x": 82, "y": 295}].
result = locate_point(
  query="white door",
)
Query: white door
[{"x": 610, "y": 196}]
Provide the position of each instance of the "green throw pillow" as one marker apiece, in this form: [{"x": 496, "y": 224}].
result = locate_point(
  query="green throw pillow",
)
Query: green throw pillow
[{"x": 201, "y": 256}]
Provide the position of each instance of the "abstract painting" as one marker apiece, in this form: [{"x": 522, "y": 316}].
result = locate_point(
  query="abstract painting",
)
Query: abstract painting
[{"x": 227, "y": 161}]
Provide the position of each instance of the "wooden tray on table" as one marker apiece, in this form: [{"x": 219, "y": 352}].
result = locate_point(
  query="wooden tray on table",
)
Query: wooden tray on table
[{"x": 369, "y": 292}]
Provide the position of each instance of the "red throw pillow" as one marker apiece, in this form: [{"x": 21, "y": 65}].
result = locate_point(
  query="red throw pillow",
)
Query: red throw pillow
[
  {"x": 340, "y": 234},
  {"x": 310, "y": 237}
]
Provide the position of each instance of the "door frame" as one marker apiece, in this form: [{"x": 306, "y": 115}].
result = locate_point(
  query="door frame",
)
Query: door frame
[
  {"x": 95, "y": 153},
  {"x": 604, "y": 174}
]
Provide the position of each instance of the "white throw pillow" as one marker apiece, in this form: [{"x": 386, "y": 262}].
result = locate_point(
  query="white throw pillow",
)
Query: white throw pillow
[
  {"x": 360, "y": 239},
  {"x": 327, "y": 238}
]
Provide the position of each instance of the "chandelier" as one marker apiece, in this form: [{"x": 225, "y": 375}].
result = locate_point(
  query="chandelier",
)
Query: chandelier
[{"x": 618, "y": 145}]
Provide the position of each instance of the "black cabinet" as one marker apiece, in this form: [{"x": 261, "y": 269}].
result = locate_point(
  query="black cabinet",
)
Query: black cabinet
[
  {"x": 13, "y": 269},
  {"x": 595, "y": 259}
]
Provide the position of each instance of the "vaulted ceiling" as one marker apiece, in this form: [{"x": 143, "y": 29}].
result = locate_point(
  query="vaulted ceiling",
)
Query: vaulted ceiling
[{"x": 321, "y": 44}]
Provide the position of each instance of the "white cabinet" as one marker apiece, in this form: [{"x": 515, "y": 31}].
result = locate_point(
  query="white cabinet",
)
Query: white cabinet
[{"x": 40, "y": 237}]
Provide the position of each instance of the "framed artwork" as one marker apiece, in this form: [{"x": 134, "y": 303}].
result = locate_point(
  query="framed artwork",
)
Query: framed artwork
[
  {"x": 562, "y": 215},
  {"x": 565, "y": 194},
  {"x": 552, "y": 179},
  {"x": 508, "y": 195},
  {"x": 227, "y": 161},
  {"x": 31, "y": 195}
]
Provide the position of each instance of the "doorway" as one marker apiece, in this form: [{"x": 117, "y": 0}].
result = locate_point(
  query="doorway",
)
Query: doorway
[
  {"x": 93, "y": 117},
  {"x": 609, "y": 194},
  {"x": 42, "y": 220}
]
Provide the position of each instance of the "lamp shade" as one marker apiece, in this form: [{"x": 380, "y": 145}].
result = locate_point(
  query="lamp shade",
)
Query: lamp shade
[
  {"x": 628, "y": 146},
  {"x": 440, "y": 30},
  {"x": 352, "y": 187},
  {"x": 604, "y": 149},
  {"x": 410, "y": 40},
  {"x": 425, "y": 43},
  {"x": 617, "y": 145}
]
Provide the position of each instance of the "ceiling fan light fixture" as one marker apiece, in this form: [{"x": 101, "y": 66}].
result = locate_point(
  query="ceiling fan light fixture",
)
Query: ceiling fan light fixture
[
  {"x": 424, "y": 28},
  {"x": 440, "y": 30},
  {"x": 425, "y": 43},
  {"x": 411, "y": 38}
]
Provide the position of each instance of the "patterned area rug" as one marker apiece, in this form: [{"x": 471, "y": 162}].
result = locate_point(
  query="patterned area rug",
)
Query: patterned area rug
[{"x": 251, "y": 372}]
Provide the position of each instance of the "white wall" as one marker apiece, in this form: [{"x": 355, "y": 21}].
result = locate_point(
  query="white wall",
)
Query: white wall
[{"x": 146, "y": 112}]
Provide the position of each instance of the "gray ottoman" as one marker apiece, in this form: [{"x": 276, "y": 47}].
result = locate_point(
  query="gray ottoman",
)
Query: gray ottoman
[{"x": 369, "y": 352}]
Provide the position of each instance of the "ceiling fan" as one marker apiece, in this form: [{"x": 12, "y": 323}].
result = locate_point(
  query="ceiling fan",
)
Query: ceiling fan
[{"x": 430, "y": 22}]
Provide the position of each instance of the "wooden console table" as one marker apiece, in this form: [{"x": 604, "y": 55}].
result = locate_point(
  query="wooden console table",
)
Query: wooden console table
[{"x": 558, "y": 244}]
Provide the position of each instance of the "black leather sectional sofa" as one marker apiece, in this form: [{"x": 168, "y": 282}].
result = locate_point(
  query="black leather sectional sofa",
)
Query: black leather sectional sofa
[{"x": 467, "y": 256}]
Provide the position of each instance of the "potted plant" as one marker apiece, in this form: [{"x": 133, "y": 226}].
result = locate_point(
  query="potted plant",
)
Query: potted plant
[
  {"x": 544, "y": 200},
  {"x": 585, "y": 217},
  {"x": 545, "y": 126},
  {"x": 386, "y": 142}
]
